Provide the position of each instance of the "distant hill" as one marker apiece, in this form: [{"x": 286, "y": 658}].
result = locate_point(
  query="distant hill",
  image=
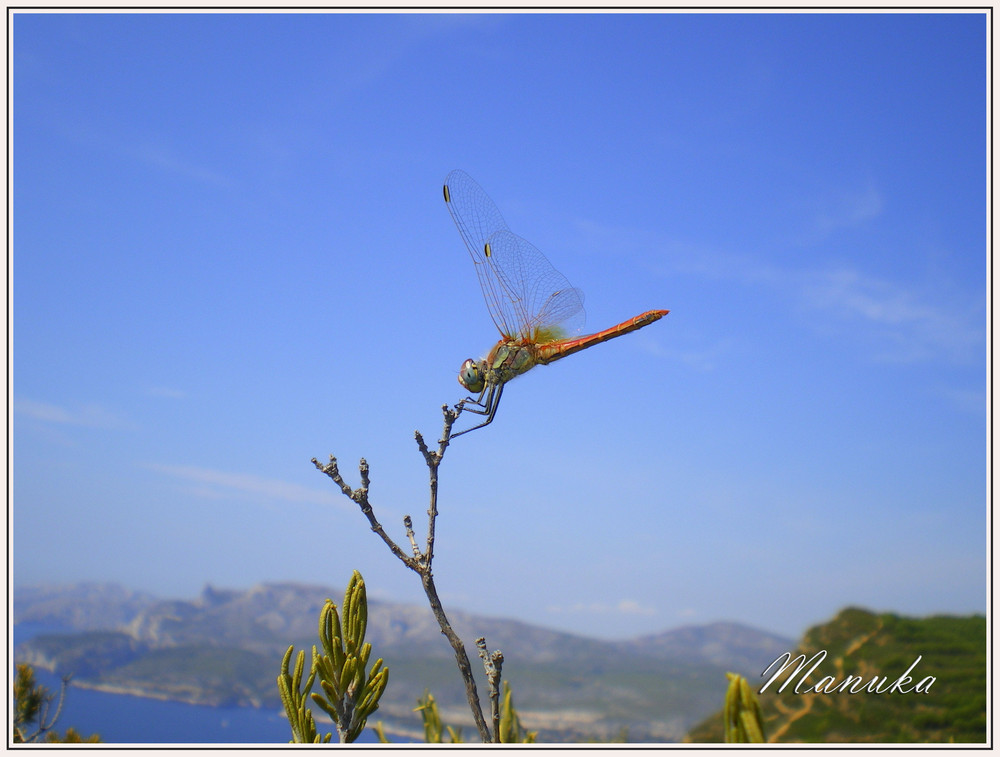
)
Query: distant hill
[
  {"x": 225, "y": 647},
  {"x": 726, "y": 644},
  {"x": 870, "y": 645},
  {"x": 79, "y": 607}
]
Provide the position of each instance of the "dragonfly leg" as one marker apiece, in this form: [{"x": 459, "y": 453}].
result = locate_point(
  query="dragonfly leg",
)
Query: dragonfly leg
[
  {"x": 476, "y": 406},
  {"x": 489, "y": 408},
  {"x": 482, "y": 408}
]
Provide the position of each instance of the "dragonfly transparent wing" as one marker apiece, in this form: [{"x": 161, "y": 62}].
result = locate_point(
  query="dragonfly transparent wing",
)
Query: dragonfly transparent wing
[
  {"x": 546, "y": 307},
  {"x": 477, "y": 219},
  {"x": 526, "y": 296}
]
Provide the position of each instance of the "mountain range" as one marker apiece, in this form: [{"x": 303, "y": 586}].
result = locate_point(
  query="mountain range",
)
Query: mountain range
[{"x": 225, "y": 646}]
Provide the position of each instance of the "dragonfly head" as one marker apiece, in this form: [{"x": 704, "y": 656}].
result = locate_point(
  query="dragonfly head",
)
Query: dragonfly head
[{"x": 472, "y": 376}]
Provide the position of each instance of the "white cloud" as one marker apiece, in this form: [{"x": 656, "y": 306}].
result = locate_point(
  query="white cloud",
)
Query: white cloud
[
  {"x": 912, "y": 327},
  {"x": 215, "y": 484},
  {"x": 967, "y": 400},
  {"x": 704, "y": 359},
  {"x": 900, "y": 321},
  {"x": 91, "y": 132},
  {"x": 162, "y": 158},
  {"x": 895, "y": 320},
  {"x": 624, "y": 607},
  {"x": 631, "y": 607},
  {"x": 91, "y": 415},
  {"x": 847, "y": 209}
]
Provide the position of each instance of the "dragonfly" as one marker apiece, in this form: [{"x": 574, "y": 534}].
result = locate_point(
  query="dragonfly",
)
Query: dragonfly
[{"x": 532, "y": 304}]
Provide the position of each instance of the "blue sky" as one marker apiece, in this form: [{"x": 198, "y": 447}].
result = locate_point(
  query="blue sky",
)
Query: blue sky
[{"x": 231, "y": 255}]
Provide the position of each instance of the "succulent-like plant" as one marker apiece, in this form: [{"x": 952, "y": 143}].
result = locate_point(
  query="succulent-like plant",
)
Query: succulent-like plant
[
  {"x": 434, "y": 729},
  {"x": 351, "y": 692},
  {"x": 511, "y": 730},
  {"x": 293, "y": 696},
  {"x": 744, "y": 719}
]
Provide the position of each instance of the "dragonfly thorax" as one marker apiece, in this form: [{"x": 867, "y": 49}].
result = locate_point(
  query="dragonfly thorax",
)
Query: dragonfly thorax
[{"x": 508, "y": 358}]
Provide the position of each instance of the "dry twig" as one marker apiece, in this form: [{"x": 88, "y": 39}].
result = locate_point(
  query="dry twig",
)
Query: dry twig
[
  {"x": 493, "y": 662},
  {"x": 420, "y": 560}
]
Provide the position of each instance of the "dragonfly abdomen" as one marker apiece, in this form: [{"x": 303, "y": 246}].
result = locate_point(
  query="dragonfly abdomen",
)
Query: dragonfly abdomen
[{"x": 546, "y": 353}]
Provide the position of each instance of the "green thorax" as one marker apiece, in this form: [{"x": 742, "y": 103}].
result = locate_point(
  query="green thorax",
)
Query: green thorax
[{"x": 509, "y": 359}]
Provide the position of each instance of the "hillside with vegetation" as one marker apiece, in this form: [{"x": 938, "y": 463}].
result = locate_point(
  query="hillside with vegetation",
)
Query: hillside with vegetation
[{"x": 873, "y": 646}]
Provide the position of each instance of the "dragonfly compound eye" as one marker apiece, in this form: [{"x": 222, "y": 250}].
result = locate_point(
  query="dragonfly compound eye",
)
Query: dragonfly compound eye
[{"x": 471, "y": 377}]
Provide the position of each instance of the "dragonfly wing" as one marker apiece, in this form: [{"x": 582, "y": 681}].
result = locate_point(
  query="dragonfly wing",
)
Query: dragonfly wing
[
  {"x": 535, "y": 296},
  {"x": 561, "y": 315},
  {"x": 478, "y": 219}
]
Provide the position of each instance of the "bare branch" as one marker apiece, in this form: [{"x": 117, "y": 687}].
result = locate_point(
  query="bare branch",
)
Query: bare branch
[
  {"x": 360, "y": 496},
  {"x": 408, "y": 523},
  {"x": 420, "y": 563},
  {"x": 493, "y": 663}
]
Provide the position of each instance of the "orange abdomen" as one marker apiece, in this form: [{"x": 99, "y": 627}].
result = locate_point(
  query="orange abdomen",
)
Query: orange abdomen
[{"x": 546, "y": 353}]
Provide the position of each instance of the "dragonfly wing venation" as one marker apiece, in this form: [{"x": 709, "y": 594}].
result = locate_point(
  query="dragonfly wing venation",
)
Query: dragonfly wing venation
[
  {"x": 478, "y": 219},
  {"x": 526, "y": 296},
  {"x": 539, "y": 299}
]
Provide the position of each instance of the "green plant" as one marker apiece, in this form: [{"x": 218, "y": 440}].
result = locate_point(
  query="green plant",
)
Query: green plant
[
  {"x": 352, "y": 693},
  {"x": 511, "y": 730},
  {"x": 743, "y": 719},
  {"x": 434, "y": 729},
  {"x": 293, "y": 697},
  {"x": 31, "y": 708}
]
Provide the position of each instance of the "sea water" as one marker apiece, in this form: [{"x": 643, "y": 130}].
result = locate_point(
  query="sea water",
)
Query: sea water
[{"x": 126, "y": 719}]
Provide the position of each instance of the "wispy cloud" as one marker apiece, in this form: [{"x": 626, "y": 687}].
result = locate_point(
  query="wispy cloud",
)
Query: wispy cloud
[
  {"x": 164, "y": 159},
  {"x": 215, "y": 484},
  {"x": 912, "y": 326},
  {"x": 901, "y": 321},
  {"x": 704, "y": 359},
  {"x": 92, "y": 415},
  {"x": 845, "y": 209},
  {"x": 624, "y": 607},
  {"x": 91, "y": 131},
  {"x": 971, "y": 401}
]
